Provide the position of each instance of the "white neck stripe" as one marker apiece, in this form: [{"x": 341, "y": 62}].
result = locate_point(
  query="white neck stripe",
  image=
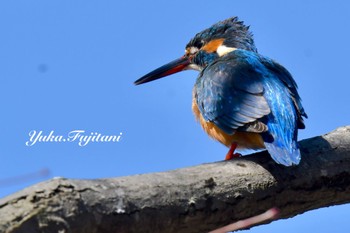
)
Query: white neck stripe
[{"x": 222, "y": 50}]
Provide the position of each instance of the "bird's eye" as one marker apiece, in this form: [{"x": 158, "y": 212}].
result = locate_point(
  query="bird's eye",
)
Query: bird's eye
[{"x": 199, "y": 43}]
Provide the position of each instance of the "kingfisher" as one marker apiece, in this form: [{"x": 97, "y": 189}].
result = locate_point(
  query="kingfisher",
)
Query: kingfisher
[{"x": 241, "y": 98}]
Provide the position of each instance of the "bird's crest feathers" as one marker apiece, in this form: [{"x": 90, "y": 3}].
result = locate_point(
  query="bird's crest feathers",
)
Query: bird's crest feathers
[{"x": 231, "y": 31}]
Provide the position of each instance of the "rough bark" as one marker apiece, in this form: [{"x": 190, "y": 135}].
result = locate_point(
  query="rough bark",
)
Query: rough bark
[{"x": 193, "y": 199}]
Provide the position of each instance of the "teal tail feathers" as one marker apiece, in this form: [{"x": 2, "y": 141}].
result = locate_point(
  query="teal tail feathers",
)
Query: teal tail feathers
[{"x": 287, "y": 156}]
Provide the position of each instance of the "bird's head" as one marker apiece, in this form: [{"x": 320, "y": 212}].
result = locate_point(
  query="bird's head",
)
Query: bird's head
[{"x": 216, "y": 41}]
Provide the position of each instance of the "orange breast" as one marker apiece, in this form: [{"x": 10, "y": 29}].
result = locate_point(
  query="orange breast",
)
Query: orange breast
[{"x": 244, "y": 140}]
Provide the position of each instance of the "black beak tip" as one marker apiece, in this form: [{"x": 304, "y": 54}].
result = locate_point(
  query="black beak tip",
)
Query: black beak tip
[
  {"x": 165, "y": 70},
  {"x": 137, "y": 82},
  {"x": 144, "y": 79}
]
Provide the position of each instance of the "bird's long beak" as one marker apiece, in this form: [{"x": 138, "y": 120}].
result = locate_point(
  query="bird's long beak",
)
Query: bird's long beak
[{"x": 165, "y": 70}]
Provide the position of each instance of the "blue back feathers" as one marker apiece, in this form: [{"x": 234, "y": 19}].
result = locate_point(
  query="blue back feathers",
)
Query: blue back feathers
[{"x": 244, "y": 91}]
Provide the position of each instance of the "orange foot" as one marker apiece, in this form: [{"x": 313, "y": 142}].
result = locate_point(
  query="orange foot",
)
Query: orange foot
[{"x": 230, "y": 154}]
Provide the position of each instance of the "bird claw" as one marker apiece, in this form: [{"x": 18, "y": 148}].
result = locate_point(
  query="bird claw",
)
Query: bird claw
[{"x": 230, "y": 154}]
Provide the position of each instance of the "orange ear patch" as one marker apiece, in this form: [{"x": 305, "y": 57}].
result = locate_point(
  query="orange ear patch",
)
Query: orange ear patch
[{"x": 212, "y": 46}]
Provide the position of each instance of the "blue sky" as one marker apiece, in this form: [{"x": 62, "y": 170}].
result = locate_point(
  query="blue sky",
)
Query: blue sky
[{"x": 70, "y": 65}]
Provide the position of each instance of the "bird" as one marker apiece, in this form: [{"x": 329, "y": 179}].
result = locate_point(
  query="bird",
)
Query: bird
[{"x": 241, "y": 98}]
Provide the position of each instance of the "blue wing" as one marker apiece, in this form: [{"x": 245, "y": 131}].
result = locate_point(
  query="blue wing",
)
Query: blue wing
[
  {"x": 244, "y": 91},
  {"x": 230, "y": 94}
]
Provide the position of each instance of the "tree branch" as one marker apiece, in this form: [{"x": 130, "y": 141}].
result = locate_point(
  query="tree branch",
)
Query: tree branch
[{"x": 193, "y": 199}]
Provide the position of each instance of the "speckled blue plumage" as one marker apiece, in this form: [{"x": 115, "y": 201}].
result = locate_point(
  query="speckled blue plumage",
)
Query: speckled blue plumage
[{"x": 244, "y": 89}]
